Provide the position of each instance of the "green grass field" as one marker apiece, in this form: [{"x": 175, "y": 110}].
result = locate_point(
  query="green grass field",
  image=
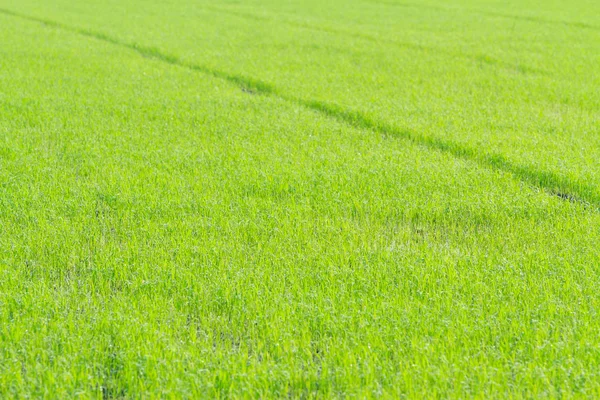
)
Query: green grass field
[{"x": 302, "y": 198}]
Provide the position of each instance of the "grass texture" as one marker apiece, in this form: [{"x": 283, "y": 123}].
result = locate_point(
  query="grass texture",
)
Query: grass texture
[{"x": 305, "y": 199}]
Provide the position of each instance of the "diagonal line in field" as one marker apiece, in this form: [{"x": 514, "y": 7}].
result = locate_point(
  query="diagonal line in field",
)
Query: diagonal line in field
[
  {"x": 554, "y": 184},
  {"x": 479, "y": 58},
  {"x": 516, "y": 17},
  {"x": 581, "y": 25}
]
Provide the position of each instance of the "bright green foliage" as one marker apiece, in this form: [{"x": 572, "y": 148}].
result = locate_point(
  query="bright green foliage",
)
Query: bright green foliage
[{"x": 299, "y": 199}]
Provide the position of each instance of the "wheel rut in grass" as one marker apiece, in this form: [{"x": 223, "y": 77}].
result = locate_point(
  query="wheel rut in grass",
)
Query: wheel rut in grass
[
  {"x": 346, "y": 31},
  {"x": 515, "y": 17},
  {"x": 580, "y": 25},
  {"x": 551, "y": 183}
]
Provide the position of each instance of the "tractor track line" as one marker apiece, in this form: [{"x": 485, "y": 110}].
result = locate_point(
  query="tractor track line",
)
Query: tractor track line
[
  {"x": 515, "y": 17},
  {"x": 361, "y": 35},
  {"x": 554, "y": 184}
]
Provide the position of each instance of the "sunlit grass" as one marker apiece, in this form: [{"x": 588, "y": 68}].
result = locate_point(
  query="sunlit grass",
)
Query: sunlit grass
[{"x": 308, "y": 200}]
